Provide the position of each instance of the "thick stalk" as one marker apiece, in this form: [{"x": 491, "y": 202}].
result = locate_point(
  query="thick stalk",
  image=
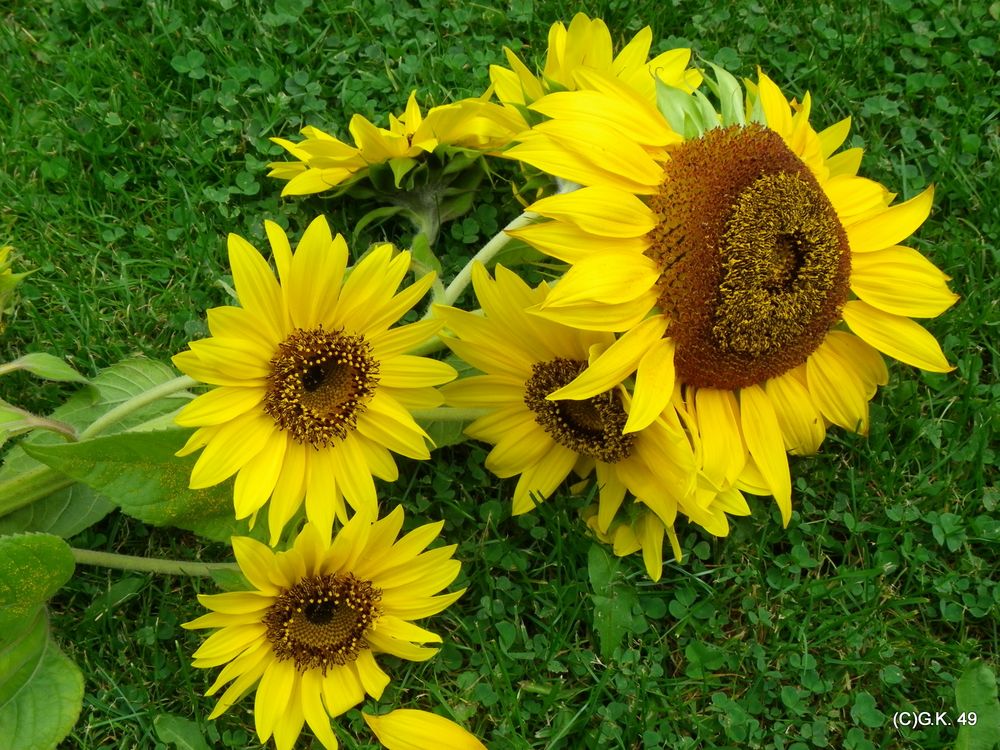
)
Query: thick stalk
[
  {"x": 135, "y": 403},
  {"x": 148, "y": 564},
  {"x": 491, "y": 248}
]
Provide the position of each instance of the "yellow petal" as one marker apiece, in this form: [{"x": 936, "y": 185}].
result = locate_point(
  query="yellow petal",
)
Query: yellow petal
[
  {"x": 407, "y": 371},
  {"x": 837, "y": 389},
  {"x": 802, "y": 426},
  {"x": 602, "y": 211},
  {"x": 234, "y": 445},
  {"x": 616, "y": 363},
  {"x": 571, "y": 244},
  {"x": 654, "y": 385},
  {"x": 891, "y": 226},
  {"x": 257, "y": 477},
  {"x": 776, "y": 110},
  {"x": 901, "y": 281},
  {"x": 312, "y": 708},
  {"x": 373, "y": 679},
  {"x": 256, "y": 286},
  {"x": 409, "y": 729},
  {"x": 274, "y": 694},
  {"x": 834, "y": 136},
  {"x": 723, "y": 451},
  {"x": 219, "y": 405},
  {"x": 896, "y": 336},
  {"x": 595, "y": 316},
  {"x": 764, "y": 441},
  {"x": 610, "y": 278},
  {"x": 316, "y": 274}
]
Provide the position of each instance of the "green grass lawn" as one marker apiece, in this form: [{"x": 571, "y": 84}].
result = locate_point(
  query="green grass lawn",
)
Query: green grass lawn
[{"x": 134, "y": 137}]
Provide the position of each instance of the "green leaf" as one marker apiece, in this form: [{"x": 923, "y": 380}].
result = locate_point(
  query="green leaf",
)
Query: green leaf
[
  {"x": 230, "y": 580},
  {"x": 176, "y": 730},
  {"x": 444, "y": 432},
  {"x": 423, "y": 254},
  {"x": 45, "y": 366},
  {"x": 33, "y": 567},
  {"x": 730, "y": 95},
  {"x": 976, "y": 693},
  {"x": 613, "y": 598},
  {"x": 375, "y": 215},
  {"x": 65, "y": 513},
  {"x": 139, "y": 473},
  {"x": 43, "y": 710},
  {"x": 20, "y": 652},
  {"x": 67, "y": 510}
]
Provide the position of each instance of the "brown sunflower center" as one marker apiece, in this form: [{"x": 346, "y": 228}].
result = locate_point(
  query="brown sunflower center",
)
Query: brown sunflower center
[
  {"x": 591, "y": 427},
  {"x": 320, "y": 383},
  {"x": 755, "y": 261},
  {"x": 322, "y": 620}
]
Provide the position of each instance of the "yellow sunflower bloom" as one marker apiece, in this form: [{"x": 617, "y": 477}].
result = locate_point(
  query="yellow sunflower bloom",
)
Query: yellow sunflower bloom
[
  {"x": 325, "y": 162},
  {"x": 776, "y": 271},
  {"x": 307, "y": 634},
  {"x": 586, "y": 46},
  {"x": 410, "y": 729},
  {"x": 314, "y": 387},
  {"x": 525, "y": 359}
]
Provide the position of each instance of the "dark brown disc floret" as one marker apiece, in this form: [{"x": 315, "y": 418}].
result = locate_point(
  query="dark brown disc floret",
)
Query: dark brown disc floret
[
  {"x": 755, "y": 262},
  {"x": 591, "y": 427},
  {"x": 320, "y": 383},
  {"x": 321, "y": 621}
]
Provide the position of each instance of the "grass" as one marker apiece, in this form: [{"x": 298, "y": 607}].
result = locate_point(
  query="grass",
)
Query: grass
[{"x": 135, "y": 140}]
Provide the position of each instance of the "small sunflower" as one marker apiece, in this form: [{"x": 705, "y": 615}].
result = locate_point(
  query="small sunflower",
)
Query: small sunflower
[
  {"x": 307, "y": 634},
  {"x": 325, "y": 162},
  {"x": 525, "y": 359},
  {"x": 775, "y": 269},
  {"x": 586, "y": 46},
  {"x": 313, "y": 386},
  {"x": 410, "y": 729}
]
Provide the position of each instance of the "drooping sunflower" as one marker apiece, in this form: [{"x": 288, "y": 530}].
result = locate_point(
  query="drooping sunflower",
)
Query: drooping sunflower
[
  {"x": 313, "y": 386},
  {"x": 587, "y": 45},
  {"x": 307, "y": 634},
  {"x": 325, "y": 162},
  {"x": 525, "y": 359},
  {"x": 776, "y": 270}
]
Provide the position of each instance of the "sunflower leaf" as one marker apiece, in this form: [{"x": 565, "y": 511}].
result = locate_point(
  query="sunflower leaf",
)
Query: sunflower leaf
[
  {"x": 41, "y": 699},
  {"x": 613, "y": 599},
  {"x": 33, "y": 567},
  {"x": 176, "y": 730},
  {"x": 978, "y": 707},
  {"x": 45, "y": 366},
  {"x": 139, "y": 473}
]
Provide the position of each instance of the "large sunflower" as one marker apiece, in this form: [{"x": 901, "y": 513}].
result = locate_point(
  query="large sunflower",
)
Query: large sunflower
[
  {"x": 525, "y": 359},
  {"x": 313, "y": 386},
  {"x": 307, "y": 633},
  {"x": 325, "y": 162},
  {"x": 775, "y": 268}
]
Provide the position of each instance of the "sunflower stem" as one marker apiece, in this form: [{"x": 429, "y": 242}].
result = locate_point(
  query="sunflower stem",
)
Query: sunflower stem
[
  {"x": 135, "y": 403},
  {"x": 448, "y": 414},
  {"x": 148, "y": 564},
  {"x": 491, "y": 248}
]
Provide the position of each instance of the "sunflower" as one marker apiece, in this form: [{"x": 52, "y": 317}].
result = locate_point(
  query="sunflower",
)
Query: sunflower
[
  {"x": 587, "y": 45},
  {"x": 525, "y": 359},
  {"x": 775, "y": 269},
  {"x": 410, "y": 729},
  {"x": 307, "y": 633},
  {"x": 313, "y": 386},
  {"x": 325, "y": 162}
]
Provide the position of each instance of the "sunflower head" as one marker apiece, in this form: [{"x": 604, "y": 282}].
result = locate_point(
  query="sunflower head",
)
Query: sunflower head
[
  {"x": 313, "y": 384},
  {"x": 306, "y": 634}
]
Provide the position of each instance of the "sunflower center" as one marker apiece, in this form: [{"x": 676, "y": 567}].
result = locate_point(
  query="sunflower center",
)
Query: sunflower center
[
  {"x": 591, "y": 427},
  {"x": 322, "y": 620},
  {"x": 320, "y": 383},
  {"x": 755, "y": 263}
]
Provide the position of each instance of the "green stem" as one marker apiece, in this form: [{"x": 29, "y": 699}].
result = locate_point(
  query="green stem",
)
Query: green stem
[
  {"x": 491, "y": 248},
  {"x": 448, "y": 414},
  {"x": 148, "y": 564},
  {"x": 28, "y": 486},
  {"x": 137, "y": 402}
]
